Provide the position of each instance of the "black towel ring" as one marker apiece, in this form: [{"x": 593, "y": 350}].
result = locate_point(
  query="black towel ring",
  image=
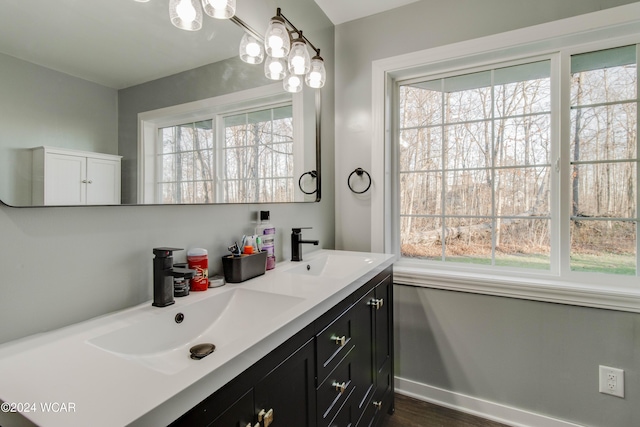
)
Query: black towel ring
[
  {"x": 313, "y": 175},
  {"x": 359, "y": 172}
]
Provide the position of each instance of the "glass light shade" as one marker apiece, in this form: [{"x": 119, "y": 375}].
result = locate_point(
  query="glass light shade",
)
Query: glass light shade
[
  {"x": 251, "y": 49},
  {"x": 317, "y": 74},
  {"x": 299, "y": 60},
  {"x": 275, "y": 68},
  {"x": 292, "y": 83},
  {"x": 276, "y": 40},
  {"x": 186, "y": 14},
  {"x": 219, "y": 9}
]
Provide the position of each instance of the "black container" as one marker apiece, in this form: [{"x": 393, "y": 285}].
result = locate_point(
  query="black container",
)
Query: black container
[{"x": 245, "y": 267}]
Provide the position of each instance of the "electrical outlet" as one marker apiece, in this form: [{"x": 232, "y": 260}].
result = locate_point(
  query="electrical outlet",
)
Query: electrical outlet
[{"x": 611, "y": 381}]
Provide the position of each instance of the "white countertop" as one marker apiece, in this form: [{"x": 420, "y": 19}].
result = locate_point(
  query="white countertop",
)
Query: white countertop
[{"x": 60, "y": 379}]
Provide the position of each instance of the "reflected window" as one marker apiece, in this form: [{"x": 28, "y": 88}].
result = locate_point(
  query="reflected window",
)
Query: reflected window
[
  {"x": 257, "y": 156},
  {"x": 239, "y": 157},
  {"x": 186, "y": 163}
]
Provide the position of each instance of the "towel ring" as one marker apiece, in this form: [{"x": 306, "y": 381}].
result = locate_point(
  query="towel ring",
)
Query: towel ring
[
  {"x": 359, "y": 172},
  {"x": 313, "y": 175}
]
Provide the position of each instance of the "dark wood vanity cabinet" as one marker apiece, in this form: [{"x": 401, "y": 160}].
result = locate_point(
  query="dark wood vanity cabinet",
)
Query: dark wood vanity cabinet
[{"x": 336, "y": 372}]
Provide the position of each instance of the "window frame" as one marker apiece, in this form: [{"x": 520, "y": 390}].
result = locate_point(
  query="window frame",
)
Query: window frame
[{"x": 600, "y": 30}]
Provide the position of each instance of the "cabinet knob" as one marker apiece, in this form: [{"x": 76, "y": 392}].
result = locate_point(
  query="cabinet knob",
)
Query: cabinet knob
[
  {"x": 266, "y": 416},
  {"x": 341, "y": 387},
  {"x": 341, "y": 341},
  {"x": 378, "y": 405},
  {"x": 377, "y": 303},
  {"x": 84, "y": 181}
]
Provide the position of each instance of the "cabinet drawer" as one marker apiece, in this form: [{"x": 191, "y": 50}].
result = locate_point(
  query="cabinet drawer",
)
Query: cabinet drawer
[
  {"x": 346, "y": 415},
  {"x": 333, "y": 392},
  {"x": 332, "y": 345}
]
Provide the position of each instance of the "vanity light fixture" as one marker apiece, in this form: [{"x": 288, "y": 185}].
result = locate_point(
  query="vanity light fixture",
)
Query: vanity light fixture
[
  {"x": 187, "y": 14},
  {"x": 219, "y": 9},
  {"x": 287, "y": 59},
  {"x": 299, "y": 60},
  {"x": 292, "y": 83},
  {"x": 251, "y": 49},
  {"x": 277, "y": 41},
  {"x": 275, "y": 68},
  {"x": 317, "y": 75}
]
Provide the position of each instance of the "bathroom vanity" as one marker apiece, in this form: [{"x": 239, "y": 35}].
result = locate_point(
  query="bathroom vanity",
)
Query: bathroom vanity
[
  {"x": 309, "y": 343},
  {"x": 337, "y": 371}
]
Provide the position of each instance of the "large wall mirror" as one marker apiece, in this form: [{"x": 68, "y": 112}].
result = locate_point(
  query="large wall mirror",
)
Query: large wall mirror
[{"x": 112, "y": 97}]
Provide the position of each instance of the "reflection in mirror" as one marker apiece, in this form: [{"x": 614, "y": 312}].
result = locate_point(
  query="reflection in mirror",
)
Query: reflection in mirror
[
  {"x": 245, "y": 147},
  {"x": 65, "y": 90}
]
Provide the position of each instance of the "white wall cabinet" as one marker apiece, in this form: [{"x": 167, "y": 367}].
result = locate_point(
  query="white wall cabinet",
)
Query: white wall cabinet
[{"x": 72, "y": 177}]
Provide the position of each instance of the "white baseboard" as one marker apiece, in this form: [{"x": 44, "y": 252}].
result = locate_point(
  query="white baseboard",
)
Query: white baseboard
[{"x": 472, "y": 405}]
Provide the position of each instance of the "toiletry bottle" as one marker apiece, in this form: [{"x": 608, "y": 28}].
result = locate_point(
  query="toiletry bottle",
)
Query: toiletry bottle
[
  {"x": 268, "y": 234},
  {"x": 198, "y": 260}
]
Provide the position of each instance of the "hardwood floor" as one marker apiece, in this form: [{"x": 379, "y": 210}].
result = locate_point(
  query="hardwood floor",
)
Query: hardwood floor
[{"x": 416, "y": 413}]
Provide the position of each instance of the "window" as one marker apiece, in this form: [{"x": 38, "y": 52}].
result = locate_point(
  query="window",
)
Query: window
[
  {"x": 475, "y": 166},
  {"x": 604, "y": 161}
]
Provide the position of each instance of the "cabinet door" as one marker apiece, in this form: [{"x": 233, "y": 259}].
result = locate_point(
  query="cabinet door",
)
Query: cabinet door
[
  {"x": 103, "y": 182},
  {"x": 240, "y": 414},
  {"x": 288, "y": 391},
  {"x": 383, "y": 353},
  {"x": 383, "y": 331},
  {"x": 364, "y": 377},
  {"x": 64, "y": 180}
]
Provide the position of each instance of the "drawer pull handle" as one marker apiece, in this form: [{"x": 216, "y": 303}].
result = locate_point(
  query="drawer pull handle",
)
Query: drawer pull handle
[
  {"x": 341, "y": 341},
  {"x": 377, "y": 303},
  {"x": 266, "y": 416},
  {"x": 378, "y": 405},
  {"x": 341, "y": 387}
]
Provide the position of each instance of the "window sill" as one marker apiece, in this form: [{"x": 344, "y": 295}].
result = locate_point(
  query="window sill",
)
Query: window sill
[{"x": 536, "y": 289}]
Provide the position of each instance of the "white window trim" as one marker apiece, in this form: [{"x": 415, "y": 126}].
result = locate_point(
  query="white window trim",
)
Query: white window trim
[
  {"x": 149, "y": 123},
  {"x": 598, "y": 30}
]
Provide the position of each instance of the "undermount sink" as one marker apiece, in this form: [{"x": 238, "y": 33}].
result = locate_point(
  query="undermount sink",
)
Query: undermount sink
[
  {"x": 332, "y": 266},
  {"x": 165, "y": 332}
]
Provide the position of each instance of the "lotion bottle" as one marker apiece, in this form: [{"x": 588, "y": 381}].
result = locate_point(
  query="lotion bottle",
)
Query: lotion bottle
[{"x": 268, "y": 233}]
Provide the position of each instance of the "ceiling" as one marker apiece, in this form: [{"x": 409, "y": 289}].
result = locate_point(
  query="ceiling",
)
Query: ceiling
[
  {"x": 340, "y": 11},
  {"x": 121, "y": 43}
]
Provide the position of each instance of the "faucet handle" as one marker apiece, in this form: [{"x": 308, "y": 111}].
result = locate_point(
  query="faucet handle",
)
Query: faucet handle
[
  {"x": 165, "y": 252},
  {"x": 298, "y": 230}
]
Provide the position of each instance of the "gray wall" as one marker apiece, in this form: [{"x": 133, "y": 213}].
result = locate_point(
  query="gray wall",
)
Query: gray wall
[
  {"x": 531, "y": 355},
  {"x": 40, "y": 106},
  {"x": 65, "y": 265}
]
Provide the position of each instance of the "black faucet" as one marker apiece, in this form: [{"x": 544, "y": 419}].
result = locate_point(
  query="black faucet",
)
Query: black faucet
[
  {"x": 296, "y": 243},
  {"x": 163, "y": 274}
]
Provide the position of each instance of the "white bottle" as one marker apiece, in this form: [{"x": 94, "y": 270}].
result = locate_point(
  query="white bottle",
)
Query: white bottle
[{"x": 267, "y": 232}]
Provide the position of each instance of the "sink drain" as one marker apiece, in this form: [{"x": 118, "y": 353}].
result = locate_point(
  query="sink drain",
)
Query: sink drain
[{"x": 201, "y": 350}]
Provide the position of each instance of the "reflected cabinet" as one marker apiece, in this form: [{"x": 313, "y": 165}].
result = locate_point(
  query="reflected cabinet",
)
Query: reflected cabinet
[{"x": 70, "y": 177}]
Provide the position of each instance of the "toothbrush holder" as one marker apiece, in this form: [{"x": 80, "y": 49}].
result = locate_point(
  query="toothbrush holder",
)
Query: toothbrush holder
[{"x": 244, "y": 267}]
